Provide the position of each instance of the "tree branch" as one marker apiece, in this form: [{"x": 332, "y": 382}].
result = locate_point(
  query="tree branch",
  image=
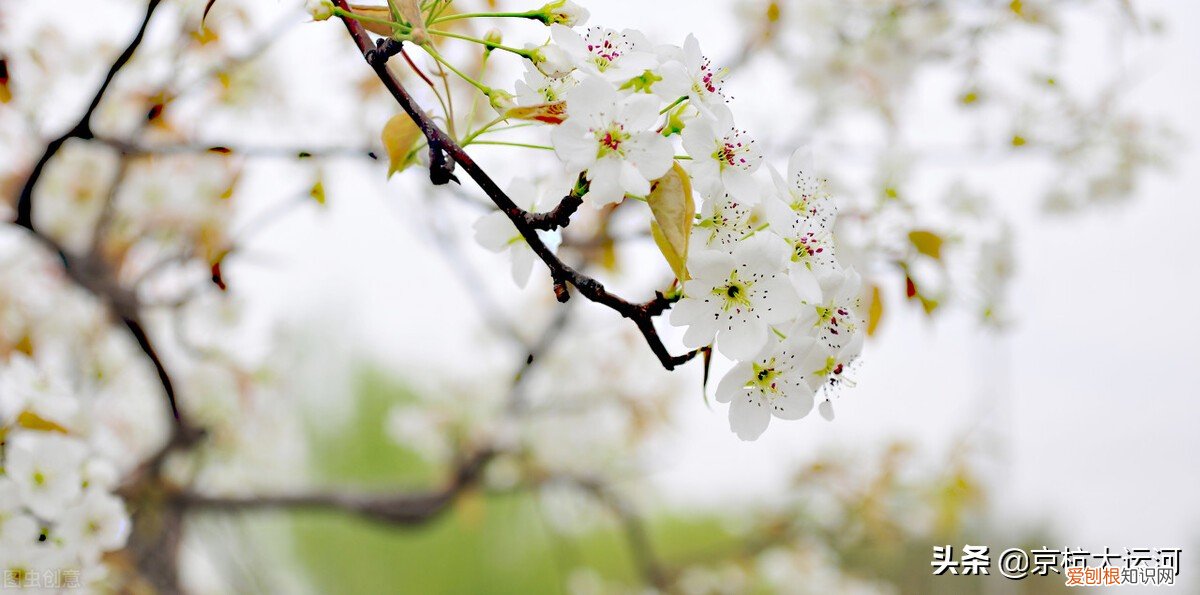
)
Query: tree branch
[
  {"x": 395, "y": 509},
  {"x": 89, "y": 271},
  {"x": 135, "y": 149},
  {"x": 641, "y": 548},
  {"x": 561, "y": 214},
  {"x": 444, "y": 153},
  {"x": 82, "y": 129}
]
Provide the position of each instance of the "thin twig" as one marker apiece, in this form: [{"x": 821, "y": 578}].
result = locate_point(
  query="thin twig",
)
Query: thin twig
[
  {"x": 136, "y": 149},
  {"x": 83, "y": 128},
  {"x": 445, "y": 153}
]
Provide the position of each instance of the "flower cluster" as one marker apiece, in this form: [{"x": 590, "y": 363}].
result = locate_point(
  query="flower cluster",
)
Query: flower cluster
[
  {"x": 765, "y": 286},
  {"x": 58, "y": 515}
]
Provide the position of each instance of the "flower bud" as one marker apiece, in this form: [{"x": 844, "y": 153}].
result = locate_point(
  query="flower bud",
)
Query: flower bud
[
  {"x": 320, "y": 10},
  {"x": 493, "y": 38},
  {"x": 501, "y": 101},
  {"x": 563, "y": 12}
]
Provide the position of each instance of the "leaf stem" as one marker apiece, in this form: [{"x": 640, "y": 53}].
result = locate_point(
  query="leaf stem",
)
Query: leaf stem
[
  {"x": 512, "y": 144},
  {"x": 429, "y": 49},
  {"x": 483, "y": 42},
  {"x": 484, "y": 15}
]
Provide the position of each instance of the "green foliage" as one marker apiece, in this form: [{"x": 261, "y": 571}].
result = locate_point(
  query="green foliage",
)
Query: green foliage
[{"x": 486, "y": 544}]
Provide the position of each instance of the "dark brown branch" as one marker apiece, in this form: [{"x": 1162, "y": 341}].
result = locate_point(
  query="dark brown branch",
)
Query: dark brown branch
[
  {"x": 83, "y": 128},
  {"x": 93, "y": 274},
  {"x": 395, "y": 509},
  {"x": 444, "y": 153},
  {"x": 561, "y": 214},
  {"x": 135, "y": 149}
]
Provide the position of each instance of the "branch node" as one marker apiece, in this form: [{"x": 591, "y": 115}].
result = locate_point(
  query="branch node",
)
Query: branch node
[
  {"x": 385, "y": 48},
  {"x": 560, "y": 291},
  {"x": 559, "y": 216},
  {"x": 441, "y": 169}
]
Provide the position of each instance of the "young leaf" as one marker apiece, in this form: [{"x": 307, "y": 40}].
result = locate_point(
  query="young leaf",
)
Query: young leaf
[
  {"x": 875, "y": 311},
  {"x": 317, "y": 192},
  {"x": 32, "y": 421},
  {"x": 927, "y": 243},
  {"x": 411, "y": 11},
  {"x": 374, "y": 12},
  {"x": 674, "y": 209},
  {"x": 399, "y": 135}
]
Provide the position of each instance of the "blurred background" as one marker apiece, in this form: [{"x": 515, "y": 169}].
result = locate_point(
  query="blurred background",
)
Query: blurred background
[{"x": 1035, "y": 390}]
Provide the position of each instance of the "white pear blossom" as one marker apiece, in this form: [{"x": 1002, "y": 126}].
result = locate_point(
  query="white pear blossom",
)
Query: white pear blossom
[
  {"x": 736, "y": 297},
  {"x": 97, "y": 524},
  {"x": 617, "y": 56},
  {"x": 810, "y": 239},
  {"x": 25, "y": 386},
  {"x": 803, "y": 192},
  {"x": 16, "y": 526},
  {"x": 688, "y": 73},
  {"x": 776, "y": 383},
  {"x": 27, "y": 567},
  {"x": 723, "y": 157},
  {"x": 551, "y": 60},
  {"x": 537, "y": 88},
  {"x": 831, "y": 306},
  {"x": 610, "y": 136},
  {"x": 723, "y": 221},
  {"x": 100, "y": 473},
  {"x": 46, "y": 469}
]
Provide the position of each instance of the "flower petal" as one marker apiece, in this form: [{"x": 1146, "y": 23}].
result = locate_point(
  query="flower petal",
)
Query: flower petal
[
  {"x": 749, "y": 416},
  {"x": 734, "y": 382}
]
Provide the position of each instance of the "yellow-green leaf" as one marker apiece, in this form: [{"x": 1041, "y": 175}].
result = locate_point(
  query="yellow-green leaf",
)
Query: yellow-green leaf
[
  {"x": 32, "y": 421},
  {"x": 411, "y": 11},
  {"x": 927, "y": 243},
  {"x": 382, "y": 13},
  {"x": 929, "y": 304},
  {"x": 674, "y": 209},
  {"x": 398, "y": 136},
  {"x": 318, "y": 192},
  {"x": 875, "y": 311}
]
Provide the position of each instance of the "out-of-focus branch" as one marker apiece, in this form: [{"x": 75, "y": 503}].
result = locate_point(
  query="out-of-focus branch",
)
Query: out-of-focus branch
[
  {"x": 638, "y": 538},
  {"x": 90, "y": 271},
  {"x": 136, "y": 149},
  {"x": 445, "y": 153},
  {"x": 83, "y": 128},
  {"x": 517, "y": 403},
  {"x": 395, "y": 509}
]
